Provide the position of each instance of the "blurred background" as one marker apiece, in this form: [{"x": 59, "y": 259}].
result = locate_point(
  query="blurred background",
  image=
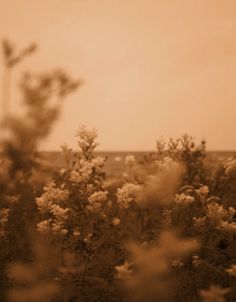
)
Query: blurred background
[{"x": 150, "y": 68}]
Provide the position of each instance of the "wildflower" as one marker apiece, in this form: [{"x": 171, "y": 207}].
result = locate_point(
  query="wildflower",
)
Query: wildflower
[
  {"x": 196, "y": 261},
  {"x": 231, "y": 270},
  {"x": 130, "y": 160},
  {"x": 123, "y": 271},
  {"x": 75, "y": 177},
  {"x": 184, "y": 199},
  {"x": 115, "y": 221},
  {"x": 88, "y": 238},
  {"x": 227, "y": 226},
  {"x": 51, "y": 195},
  {"x": 127, "y": 194},
  {"x": 13, "y": 199},
  {"x": 98, "y": 163},
  {"x": 203, "y": 191},
  {"x": 100, "y": 196},
  {"x": 166, "y": 163},
  {"x": 214, "y": 294},
  {"x": 44, "y": 226},
  {"x": 216, "y": 212},
  {"x": 96, "y": 200},
  {"x": 177, "y": 263},
  {"x": 86, "y": 140},
  {"x": 76, "y": 233},
  {"x": 59, "y": 213},
  {"x": 84, "y": 134}
]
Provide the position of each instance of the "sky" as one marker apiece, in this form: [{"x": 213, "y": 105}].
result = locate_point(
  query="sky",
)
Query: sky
[{"x": 150, "y": 68}]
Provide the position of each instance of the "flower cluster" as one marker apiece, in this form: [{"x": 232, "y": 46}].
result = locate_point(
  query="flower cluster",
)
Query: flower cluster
[
  {"x": 50, "y": 204},
  {"x": 86, "y": 140},
  {"x": 126, "y": 194},
  {"x": 51, "y": 196},
  {"x": 96, "y": 200},
  {"x": 85, "y": 169},
  {"x": 184, "y": 199}
]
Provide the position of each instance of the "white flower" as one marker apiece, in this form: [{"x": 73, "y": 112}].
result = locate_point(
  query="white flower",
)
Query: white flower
[
  {"x": 177, "y": 263},
  {"x": 130, "y": 160},
  {"x": 76, "y": 233},
  {"x": 216, "y": 212},
  {"x": 86, "y": 134},
  {"x": 115, "y": 221},
  {"x": 100, "y": 196},
  {"x": 227, "y": 226},
  {"x": 127, "y": 194},
  {"x": 44, "y": 226},
  {"x": 203, "y": 191},
  {"x": 195, "y": 260},
  {"x": 123, "y": 271},
  {"x": 51, "y": 195},
  {"x": 59, "y": 213},
  {"x": 86, "y": 139},
  {"x": 184, "y": 199}
]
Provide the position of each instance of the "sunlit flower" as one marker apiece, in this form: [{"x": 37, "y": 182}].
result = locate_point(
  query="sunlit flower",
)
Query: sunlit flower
[
  {"x": 44, "y": 226},
  {"x": 115, "y": 221},
  {"x": 127, "y": 194}
]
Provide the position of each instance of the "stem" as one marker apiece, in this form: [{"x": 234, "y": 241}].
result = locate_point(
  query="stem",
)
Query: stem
[{"x": 6, "y": 92}]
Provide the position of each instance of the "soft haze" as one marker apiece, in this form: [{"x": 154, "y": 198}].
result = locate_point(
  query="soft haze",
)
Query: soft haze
[{"x": 150, "y": 67}]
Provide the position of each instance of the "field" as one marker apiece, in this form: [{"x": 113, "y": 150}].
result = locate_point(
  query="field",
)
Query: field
[
  {"x": 90, "y": 226},
  {"x": 115, "y": 161},
  {"x": 83, "y": 226}
]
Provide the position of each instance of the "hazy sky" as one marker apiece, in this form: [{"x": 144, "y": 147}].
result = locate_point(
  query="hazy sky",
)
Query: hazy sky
[{"x": 150, "y": 67}]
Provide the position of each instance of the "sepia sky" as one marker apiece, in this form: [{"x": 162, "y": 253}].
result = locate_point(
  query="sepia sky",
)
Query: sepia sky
[{"x": 150, "y": 67}]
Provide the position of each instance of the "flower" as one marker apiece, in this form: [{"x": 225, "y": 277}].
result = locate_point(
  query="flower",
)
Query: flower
[
  {"x": 44, "y": 226},
  {"x": 203, "y": 191},
  {"x": 51, "y": 195},
  {"x": 95, "y": 200},
  {"x": 59, "y": 213},
  {"x": 216, "y": 212},
  {"x": 100, "y": 196},
  {"x": 123, "y": 271},
  {"x": 196, "y": 261},
  {"x": 130, "y": 160},
  {"x": 115, "y": 221},
  {"x": 127, "y": 194},
  {"x": 214, "y": 294},
  {"x": 184, "y": 199},
  {"x": 231, "y": 270},
  {"x": 86, "y": 140}
]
